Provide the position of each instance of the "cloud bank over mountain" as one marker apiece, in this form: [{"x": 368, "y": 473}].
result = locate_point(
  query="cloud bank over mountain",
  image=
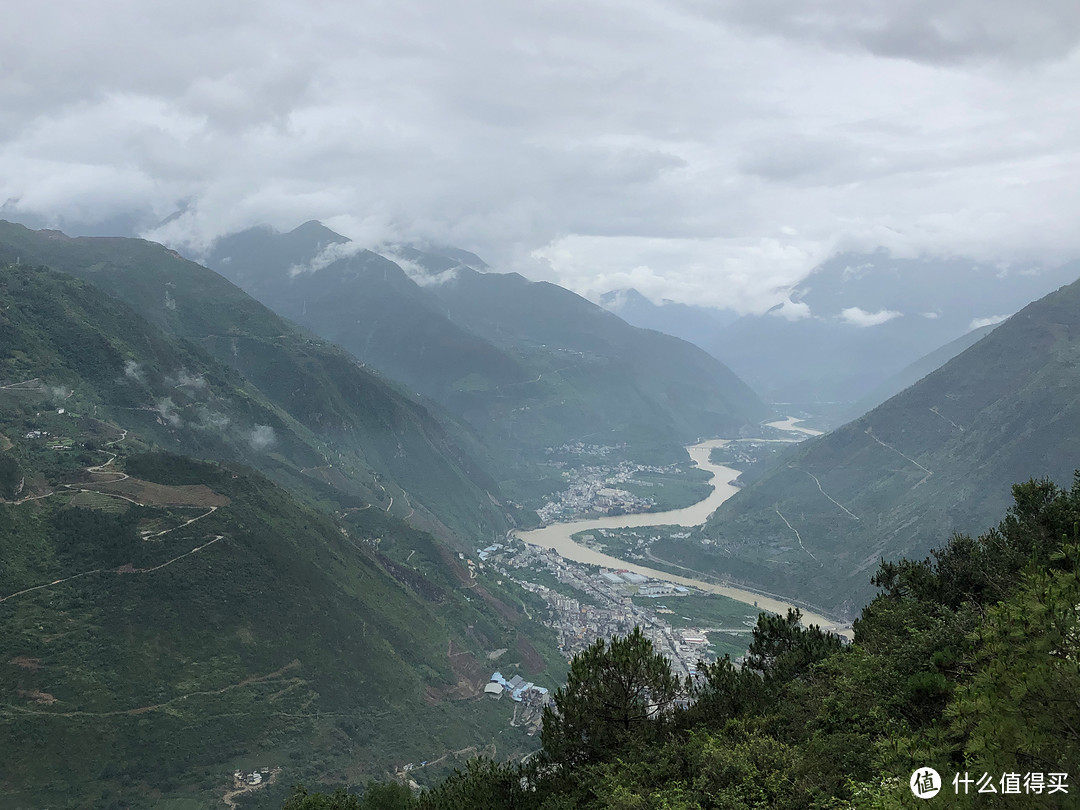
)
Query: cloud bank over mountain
[
  {"x": 710, "y": 153},
  {"x": 860, "y": 317}
]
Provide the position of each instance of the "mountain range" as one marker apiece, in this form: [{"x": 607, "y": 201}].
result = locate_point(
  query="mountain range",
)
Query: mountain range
[
  {"x": 527, "y": 364},
  {"x": 937, "y": 458},
  {"x": 852, "y": 324},
  {"x": 229, "y": 540},
  {"x": 355, "y": 428},
  {"x": 168, "y": 619}
]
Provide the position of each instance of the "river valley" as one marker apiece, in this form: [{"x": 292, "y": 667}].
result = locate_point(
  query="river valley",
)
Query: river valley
[{"x": 559, "y": 536}]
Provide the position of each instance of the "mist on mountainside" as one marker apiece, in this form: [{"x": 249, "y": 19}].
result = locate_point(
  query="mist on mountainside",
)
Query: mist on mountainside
[
  {"x": 539, "y": 405},
  {"x": 852, "y": 324}
]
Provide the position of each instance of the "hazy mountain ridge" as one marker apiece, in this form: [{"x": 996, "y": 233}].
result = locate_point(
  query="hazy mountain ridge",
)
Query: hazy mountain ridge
[
  {"x": 865, "y": 316},
  {"x": 361, "y": 301},
  {"x": 697, "y": 395},
  {"x": 532, "y": 365},
  {"x": 909, "y": 375},
  {"x": 695, "y": 324},
  {"x": 347, "y": 410},
  {"x": 857, "y": 320},
  {"x": 937, "y": 458}
]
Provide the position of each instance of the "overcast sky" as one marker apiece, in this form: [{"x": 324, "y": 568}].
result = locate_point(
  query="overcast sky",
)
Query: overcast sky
[{"x": 701, "y": 150}]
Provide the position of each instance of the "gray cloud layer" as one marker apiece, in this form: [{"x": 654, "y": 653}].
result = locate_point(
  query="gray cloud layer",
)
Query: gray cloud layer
[{"x": 710, "y": 152}]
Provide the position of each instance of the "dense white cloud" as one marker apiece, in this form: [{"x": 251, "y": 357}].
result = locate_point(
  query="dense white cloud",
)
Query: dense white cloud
[
  {"x": 979, "y": 323},
  {"x": 748, "y": 274},
  {"x": 417, "y": 273},
  {"x": 333, "y": 252},
  {"x": 262, "y": 437},
  {"x": 860, "y": 317},
  {"x": 168, "y": 413},
  {"x": 792, "y": 310},
  {"x": 133, "y": 370},
  {"x": 712, "y": 152}
]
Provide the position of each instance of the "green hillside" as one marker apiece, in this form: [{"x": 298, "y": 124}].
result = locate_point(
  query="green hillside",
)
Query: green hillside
[
  {"x": 165, "y": 621},
  {"x": 360, "y": 428},
  {"x": 164, "y": 654},
  {"x": 937, "y": 458},
  {"x": 68, "y": 345}
]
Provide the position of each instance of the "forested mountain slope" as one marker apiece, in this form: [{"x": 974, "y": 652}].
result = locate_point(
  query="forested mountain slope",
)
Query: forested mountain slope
[
  {"x": 368, "y": 432},
  {"x": 964, "y": 663},
  {"x": 529, "y": 365},
  {"x": 164, "y": 621},
  {"x": 937, "y": 458}
]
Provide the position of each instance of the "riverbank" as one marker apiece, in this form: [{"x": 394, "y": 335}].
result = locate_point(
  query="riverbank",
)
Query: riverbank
[{"x": 559, "y": 536}]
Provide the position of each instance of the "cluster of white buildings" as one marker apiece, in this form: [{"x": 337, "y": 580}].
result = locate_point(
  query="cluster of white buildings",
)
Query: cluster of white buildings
[
  {"x": 580, "y": 449},
  {"x": 520, "y": 690},
  {"x": 254, "y": 778},
  {"x": 611, "y": 612},
  {"x": 484, "y": 553},
  {"x": 592, "y": 497},
  {"x": 596, "y": 490}
]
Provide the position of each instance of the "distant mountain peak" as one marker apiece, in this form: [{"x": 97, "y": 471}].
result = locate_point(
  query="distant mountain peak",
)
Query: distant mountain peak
[
  {"x": 627, "y": 296},
  {"x": 315, "y": 229},
  {"x": 940, "y": 456}
]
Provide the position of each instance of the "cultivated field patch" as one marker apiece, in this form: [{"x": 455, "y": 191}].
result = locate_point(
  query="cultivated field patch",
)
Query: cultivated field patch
[
  {"x": 100, "y": 501},
  {"x": 151, "y": 494}
]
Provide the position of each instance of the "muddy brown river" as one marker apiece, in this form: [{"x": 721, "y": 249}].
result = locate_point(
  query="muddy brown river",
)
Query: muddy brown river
[{"x": 558, "y": 536}]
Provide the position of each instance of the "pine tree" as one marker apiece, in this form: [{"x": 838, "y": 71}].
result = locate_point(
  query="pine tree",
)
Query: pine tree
[
  {"x": 617, "y": 693},
  {"x": 1021, "y": 709}
]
